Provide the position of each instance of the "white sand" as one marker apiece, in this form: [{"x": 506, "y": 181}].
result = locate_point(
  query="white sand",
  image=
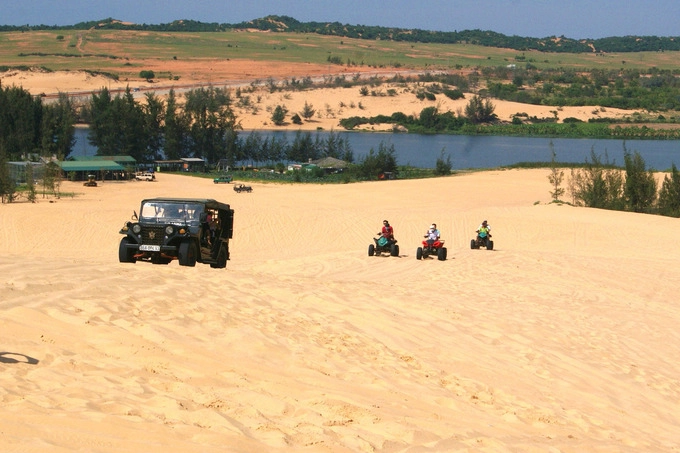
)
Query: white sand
[{"x": 565, "y": 338}]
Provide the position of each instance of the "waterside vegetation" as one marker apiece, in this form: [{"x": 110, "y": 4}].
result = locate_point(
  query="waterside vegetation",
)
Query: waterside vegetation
[
  {"x": 478, "y": 66},
  {"x": 610, "y": 73}
]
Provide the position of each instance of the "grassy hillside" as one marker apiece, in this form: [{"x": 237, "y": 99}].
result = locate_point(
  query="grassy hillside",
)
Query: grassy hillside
[{"x": 123, "y": 52}]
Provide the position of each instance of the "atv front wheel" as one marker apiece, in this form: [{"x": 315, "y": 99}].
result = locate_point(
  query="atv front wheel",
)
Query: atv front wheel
[
  {"x": 419, "y": 253},
  {"x": 441, "y": 254},
  {"x": 371, "y": 250},
  {"x": 489, "y": 245},
  {"x": 394, "y": 250}
]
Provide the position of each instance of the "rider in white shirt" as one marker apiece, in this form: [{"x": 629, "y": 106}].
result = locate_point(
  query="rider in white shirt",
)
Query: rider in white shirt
[{"x": 432, "y": 234}]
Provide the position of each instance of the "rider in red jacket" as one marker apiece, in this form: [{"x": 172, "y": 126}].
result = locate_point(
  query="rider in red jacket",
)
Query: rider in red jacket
[{"x": 387, "y": 231}]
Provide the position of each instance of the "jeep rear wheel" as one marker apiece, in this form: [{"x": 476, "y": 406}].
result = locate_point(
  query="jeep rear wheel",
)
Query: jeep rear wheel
[
  {"x": 221, "y": 259},
  {"x": 125, "y": 254},
  {"x": 186, "y": 255}
]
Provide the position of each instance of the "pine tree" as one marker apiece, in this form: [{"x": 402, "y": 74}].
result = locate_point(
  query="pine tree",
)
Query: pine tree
[
  {"x": 279, "y": 115},
  {"x": 308, "y": 111},
  {"x": 669, "y": 195},
  {"x": 154, "y": 117},
  {"x": 30, "y": 183},
  {"x": 7, "y": 184},
  {"x": 556, "y": 176},
  {"x": 479, "y": 110},
  {"x": 175, "y": 130},
  {"x": 640, "y": 186},
  {"x": 213, "y": 125}
]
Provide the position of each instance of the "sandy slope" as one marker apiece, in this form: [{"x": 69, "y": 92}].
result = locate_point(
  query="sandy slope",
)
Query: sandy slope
[
  {"x": 563, "y": 339},
  {"x": 330, "y": 105}
]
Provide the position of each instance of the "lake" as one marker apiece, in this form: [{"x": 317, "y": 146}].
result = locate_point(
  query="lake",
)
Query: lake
[{"x": 477, "y": 151}]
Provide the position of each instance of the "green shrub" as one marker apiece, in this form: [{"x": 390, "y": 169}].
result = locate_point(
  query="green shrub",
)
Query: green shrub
[
  {"x": 147, "y": 74},
  {"x": 454, "y": 94},
  {"x": 443, "y": 167}
]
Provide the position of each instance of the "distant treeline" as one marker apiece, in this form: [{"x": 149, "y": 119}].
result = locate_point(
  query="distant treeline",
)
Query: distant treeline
[{"x": 479, "y": 37}]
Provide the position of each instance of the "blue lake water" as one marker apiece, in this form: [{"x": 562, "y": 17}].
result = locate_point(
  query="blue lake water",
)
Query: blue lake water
[{"x": 478, "y": 151}]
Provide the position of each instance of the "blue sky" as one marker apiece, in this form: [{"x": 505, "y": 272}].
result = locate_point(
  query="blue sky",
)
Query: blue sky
[{"x": 532, "y": 18}]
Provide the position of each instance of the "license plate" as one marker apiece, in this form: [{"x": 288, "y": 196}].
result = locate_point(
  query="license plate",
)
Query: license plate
[{"x": 150, "y": 248}]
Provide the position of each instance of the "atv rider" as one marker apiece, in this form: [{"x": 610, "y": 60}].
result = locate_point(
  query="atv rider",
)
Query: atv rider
[
  {"x": 388, "y": 232},
  {"x": 436, "y": 230},
  {"x": 484, "y": 231},
  {"x": 432, "y": 235}
]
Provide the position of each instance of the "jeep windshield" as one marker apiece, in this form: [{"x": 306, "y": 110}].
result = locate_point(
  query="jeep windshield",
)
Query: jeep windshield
[{"x": 170, "y": 212}]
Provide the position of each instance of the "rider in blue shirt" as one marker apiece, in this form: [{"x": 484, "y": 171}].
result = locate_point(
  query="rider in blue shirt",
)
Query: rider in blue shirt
[{"x": 484, "y": 230}]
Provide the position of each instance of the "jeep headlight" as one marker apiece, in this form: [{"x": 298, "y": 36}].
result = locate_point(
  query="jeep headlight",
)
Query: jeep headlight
[
  {"x": 169, "y": 230},
  {"x": 136, "y": 228}
]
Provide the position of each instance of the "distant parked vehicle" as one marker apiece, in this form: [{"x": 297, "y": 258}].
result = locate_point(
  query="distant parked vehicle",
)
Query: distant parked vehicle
[
  {"x": 225, "y": 178},
  {"x": 91, "y": 182},
  {"x": 145, "y": 176}
]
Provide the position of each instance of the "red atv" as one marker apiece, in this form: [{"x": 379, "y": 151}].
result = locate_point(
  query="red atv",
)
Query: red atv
[{"x": 432, "y": 247}]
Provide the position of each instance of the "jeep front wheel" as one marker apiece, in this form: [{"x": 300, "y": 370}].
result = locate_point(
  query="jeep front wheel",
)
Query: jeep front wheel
[
  {"x": 125, "y": 254},
  {"x": 186, "y": 255}
]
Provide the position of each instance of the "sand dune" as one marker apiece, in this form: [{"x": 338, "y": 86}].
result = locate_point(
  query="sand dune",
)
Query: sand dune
[
  {"x": 330, "y": 104},
  {"x": 564, "y": 338}
]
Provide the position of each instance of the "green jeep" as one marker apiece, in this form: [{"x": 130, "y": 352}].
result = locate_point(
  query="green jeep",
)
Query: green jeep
[{"x": 188, "y": 230}]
